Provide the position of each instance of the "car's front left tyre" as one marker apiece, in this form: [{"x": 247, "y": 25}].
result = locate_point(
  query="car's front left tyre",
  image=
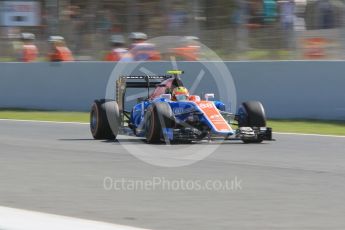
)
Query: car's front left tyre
[{"x": 158, "y": 117}]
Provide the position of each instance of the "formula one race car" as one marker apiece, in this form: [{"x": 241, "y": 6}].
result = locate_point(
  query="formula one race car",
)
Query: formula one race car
[{"x": 169, "y": 114}]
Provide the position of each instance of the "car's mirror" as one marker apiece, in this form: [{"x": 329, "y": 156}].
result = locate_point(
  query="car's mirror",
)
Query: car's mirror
[
  {"x": 166, "y": 96},
  {"x": 209, "y": 96},
  {"x": 195, "y": 98}
]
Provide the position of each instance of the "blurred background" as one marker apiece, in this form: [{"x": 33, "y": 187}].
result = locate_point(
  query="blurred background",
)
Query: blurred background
[{"x": 234, "y": 29}]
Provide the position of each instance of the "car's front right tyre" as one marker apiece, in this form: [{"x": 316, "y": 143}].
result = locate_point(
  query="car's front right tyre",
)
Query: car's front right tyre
[{"x": 253, "y": 116}]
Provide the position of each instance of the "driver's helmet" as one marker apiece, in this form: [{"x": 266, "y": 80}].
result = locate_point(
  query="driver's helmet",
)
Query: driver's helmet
[{"x": 180, "y": 94}]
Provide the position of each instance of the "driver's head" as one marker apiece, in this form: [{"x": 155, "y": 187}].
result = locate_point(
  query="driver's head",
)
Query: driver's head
[{"x": 180, "y": 94}]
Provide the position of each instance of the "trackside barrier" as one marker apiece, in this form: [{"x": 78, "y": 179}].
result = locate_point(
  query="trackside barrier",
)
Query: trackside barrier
[{"x": 288, "y": 89}]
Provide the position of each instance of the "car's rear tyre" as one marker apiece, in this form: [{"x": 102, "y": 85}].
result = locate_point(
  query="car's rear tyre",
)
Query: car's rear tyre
[
  {"x": 158, "y": 116},
  {"x": 252, "y": 115},
  {"x": 104, "y": 119}
]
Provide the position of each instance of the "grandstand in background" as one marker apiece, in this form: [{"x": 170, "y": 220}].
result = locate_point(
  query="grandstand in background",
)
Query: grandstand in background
[{"x": 236, "y": 29}]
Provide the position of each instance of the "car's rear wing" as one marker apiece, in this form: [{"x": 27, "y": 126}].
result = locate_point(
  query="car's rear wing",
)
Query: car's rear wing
[
  {"x": 143, "y": 81},
  {"x": 125, "y": 82}
]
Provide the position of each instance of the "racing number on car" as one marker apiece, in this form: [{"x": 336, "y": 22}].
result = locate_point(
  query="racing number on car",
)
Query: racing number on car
[
  {"x": 213, "y": 115},
  {"x": 205, "y": 105}
]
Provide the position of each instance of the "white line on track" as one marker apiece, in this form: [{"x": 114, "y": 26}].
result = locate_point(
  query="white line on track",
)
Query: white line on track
[
  {"x": 17, "y": 219},
  {"x": 309, "y": 134},
  {"x": 86, "y": 123}
]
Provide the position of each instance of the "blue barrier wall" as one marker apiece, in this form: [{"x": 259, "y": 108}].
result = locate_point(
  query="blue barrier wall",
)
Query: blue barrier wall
[{"x": 296, "y": 89}]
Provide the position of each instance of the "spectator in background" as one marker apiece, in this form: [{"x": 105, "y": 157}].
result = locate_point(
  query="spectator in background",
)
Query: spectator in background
[
  {"x": 189, "y": 49},
  {"x": 103, "y": 22},
  {"x": 29, "y": 49},
  {"x": 240, "y": 18},
  {"x": 103, "y": 27},
  {"x": 177, "y": 19},
  {"x": 59, "y": 50},
  {"x": 118, "y": 51},
  {"x": 73, "y": 24},
  {"x": 270, "y": 11},
  {"x": 240, "y": 14},
  {"x": 326, "y": 14},
  {"x": 255, "y": 18},
  {"x": 287, "y": 20},
  {"x": 287, "y": 10},
  {"x": 142, "y": 50}
]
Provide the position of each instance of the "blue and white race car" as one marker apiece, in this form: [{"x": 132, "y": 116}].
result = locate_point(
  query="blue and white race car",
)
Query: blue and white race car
[{"x": 159, "y": 117}]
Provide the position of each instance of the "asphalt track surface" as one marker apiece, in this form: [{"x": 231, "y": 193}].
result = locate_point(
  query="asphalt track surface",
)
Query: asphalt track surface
[{"x": 296, "y": 182}]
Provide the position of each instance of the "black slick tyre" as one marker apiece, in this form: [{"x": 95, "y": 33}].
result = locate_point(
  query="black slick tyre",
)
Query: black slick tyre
[
  {"x": 254, "y": 117},
  {"x": 104, "y": 119},
  {"x": 158, "y": 116}
]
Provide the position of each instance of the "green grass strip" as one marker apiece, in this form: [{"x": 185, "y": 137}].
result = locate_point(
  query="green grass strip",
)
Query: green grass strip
[
  {"x": 308, "y": 126},
  {"x": 288, "y": 126},
  {"x": 45, "y": 115}
]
